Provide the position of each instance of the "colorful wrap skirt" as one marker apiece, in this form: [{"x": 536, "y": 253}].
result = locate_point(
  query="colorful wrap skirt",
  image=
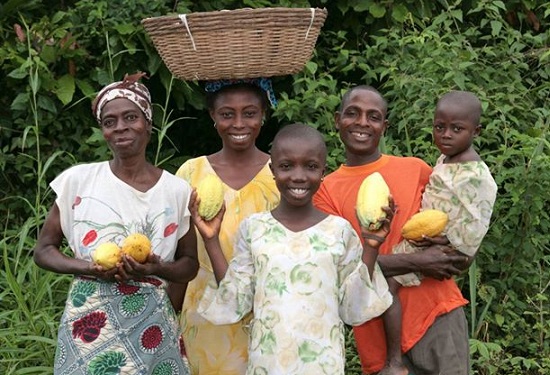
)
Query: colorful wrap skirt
[{"x": 111, "y": 328}]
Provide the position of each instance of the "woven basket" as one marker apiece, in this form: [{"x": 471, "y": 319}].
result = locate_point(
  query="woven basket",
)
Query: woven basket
[{"x": 242, "y": 43}]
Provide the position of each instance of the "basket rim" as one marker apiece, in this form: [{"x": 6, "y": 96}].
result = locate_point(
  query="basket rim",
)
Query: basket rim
[{"x": 189, "y": 43}]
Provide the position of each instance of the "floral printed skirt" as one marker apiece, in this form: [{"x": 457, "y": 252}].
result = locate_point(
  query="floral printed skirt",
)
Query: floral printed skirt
[{"x": 119, "y": 328}]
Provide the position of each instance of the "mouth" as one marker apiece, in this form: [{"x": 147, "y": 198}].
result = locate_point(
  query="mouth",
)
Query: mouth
[
  {"x": 239, "y": 137},
  {"x": 360, "y": 135},
  {"x": 298, "y": 191},
  {"x": 122, "y": 141}
]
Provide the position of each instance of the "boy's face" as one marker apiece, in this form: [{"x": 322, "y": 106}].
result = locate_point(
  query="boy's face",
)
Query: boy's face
[
  {"x": 298, "y": 166},
  {"x": 362, "y": 122},
  {"x": 453, "y": 129}
]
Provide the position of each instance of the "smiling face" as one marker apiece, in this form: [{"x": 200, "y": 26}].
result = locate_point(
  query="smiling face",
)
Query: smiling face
[
  {"x": 455, "y": 126},
  {"x": 298, "y": 165},
  {"x": 238, "y": 114},
  {"x": 361, "y": 123},
  {"x": 125, "y": 128}
]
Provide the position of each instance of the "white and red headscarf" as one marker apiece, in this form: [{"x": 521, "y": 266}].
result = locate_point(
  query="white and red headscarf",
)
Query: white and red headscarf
[{"x": 129, "y": 88}]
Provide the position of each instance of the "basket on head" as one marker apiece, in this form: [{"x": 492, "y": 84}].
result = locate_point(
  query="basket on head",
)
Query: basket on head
[{"x": 232, "y": 44}]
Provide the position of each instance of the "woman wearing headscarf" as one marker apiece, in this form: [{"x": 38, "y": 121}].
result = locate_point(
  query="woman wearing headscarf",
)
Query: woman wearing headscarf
[
  {"x": 120, "y": 320},
  {"x": 238, "y": 109}
]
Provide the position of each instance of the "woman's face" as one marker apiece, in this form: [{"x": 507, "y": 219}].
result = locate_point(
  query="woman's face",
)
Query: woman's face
[
  {"x": 125, "y": 128},
  {"x": 238, "y": 115}
]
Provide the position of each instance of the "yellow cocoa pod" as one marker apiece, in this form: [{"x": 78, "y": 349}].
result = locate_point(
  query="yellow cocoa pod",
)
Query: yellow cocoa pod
[
  {"x": 107, "y": 255},
  {"x": 210, "y": 192},
  {"x": 428, "y": 223},
  {"x": 138, "y": 246},
  {"x": 373, "y": 194}
]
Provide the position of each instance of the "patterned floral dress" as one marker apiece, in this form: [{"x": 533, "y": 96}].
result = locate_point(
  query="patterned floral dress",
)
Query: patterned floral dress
[
  {"x": 213, "y": 349},
  {"x": 110, "y": 327},
  {"x": 467, "y": 193},
  {"x": 302, "y": 286}
]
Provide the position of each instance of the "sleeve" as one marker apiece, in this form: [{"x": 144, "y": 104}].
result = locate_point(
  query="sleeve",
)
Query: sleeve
[
  {"x": 323, "y": 201},
  {"x": 233, "y": 298},
  {"x": 62, "y": 186},
  {"x": 360, "y": 298},
  {"x": 475, "y": 195},
  {"x": 184, "y": 214}
]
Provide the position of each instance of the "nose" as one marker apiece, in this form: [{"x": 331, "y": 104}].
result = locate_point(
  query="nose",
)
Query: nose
[
  {"x": 120, "y": 124},
  {"x": 447, "y": 133},
  {"x": 238, "y": 123},
  {"x": 298, "y": 175}
]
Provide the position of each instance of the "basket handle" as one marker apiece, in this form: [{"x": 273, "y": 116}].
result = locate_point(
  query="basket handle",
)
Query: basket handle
[
  {"x": 183, "y": 18},
  {"x": 310, "y": 22}
]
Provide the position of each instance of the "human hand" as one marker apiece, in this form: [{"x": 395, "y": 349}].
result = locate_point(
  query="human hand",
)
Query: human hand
[
  {"x": 375, "y": 238},
  {"x": 208, "y": 229},
  {"x": 101, "y": 273},
  {"x": 129, "y": 268},
  {"x": 428, "y": 241},
  {"x": 438, "y": 262}
]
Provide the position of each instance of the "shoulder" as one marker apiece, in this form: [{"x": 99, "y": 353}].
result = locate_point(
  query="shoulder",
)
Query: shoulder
[
  {"x": 84, "y": 169},
  {"x": 408, "y": 162},
  {"x": 175, "y": 182},
  {"x": 190, "y": 166}
]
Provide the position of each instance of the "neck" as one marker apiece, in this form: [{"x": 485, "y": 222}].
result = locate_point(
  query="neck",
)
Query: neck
[
  {"x": 129, "y": 167},
  {"x": 240, "y": 157}
]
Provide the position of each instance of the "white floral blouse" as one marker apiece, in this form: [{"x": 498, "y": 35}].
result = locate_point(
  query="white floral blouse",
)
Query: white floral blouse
[{"x": 301, "y": 287}]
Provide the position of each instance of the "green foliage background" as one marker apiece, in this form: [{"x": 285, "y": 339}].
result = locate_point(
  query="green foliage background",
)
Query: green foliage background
[{"x": 55, "y": 55}]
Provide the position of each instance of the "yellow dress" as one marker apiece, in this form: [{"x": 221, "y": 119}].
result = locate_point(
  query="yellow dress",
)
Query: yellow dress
[{"x": 221, "y": 349}]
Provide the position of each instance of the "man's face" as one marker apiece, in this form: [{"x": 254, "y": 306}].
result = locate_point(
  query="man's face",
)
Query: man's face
[{"x": 362, "y": 122}]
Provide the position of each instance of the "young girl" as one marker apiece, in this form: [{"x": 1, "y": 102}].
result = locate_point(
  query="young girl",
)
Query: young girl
[{"x": 302, "y": 272}]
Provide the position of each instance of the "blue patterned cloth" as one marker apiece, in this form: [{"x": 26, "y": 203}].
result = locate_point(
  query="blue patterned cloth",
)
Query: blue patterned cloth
[{"x": 263, "y": 83}]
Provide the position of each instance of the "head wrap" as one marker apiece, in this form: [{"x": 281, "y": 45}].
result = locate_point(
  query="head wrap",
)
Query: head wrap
[
  {"x": 129, "y": 88},
  {"x": 263, "y": 83}
]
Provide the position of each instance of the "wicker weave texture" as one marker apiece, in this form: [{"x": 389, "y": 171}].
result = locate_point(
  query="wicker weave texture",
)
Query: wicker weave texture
[{"x": 242, "y": 43}]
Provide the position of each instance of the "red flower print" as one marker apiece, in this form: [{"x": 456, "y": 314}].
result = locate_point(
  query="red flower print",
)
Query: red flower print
[
  {"x": 77, "y": 201},
  {"x": 126, "y": 289},
  {"x": 170, "y": 228},
  {"x": 151, "y": 338},
  {"x": 89, "y": 327},
  {"x": 89, "y": 237}
]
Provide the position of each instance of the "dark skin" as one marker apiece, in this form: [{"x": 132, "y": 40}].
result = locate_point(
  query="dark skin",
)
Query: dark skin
[
  {"x": 237, "y": 113},
  {"x": 361, "y": 123},
  {"x": 127, "y": 132}
]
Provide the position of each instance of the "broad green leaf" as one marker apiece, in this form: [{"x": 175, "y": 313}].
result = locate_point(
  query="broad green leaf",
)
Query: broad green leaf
[
  {"x": 20, "y": 102},
  {"x": 399, "y": 12},
  {"x": 65, "y": 87},
  {"x": 496, "y": 26},
  {"x": 377, "y": 10}
]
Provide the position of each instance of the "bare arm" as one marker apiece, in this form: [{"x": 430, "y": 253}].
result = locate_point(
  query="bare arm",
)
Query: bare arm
[
  {"x": 210, "y": 231},
  {"x": 48, "y": 256},
  {"x": 436, "y": 261},
  {"x": 183, "y": 269}
]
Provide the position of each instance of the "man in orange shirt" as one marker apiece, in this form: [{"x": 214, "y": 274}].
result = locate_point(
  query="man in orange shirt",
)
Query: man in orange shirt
[{"x": 434, "y": 328}]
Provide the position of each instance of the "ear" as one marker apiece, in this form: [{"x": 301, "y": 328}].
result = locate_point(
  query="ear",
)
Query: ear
[
  {"x": 477, "y": 130},
  {"x": 271, "y": 167},
  {"x": 211, "y": 113},
  {"x": 337, "y": 120},
  {"x": 385, "y": 126}
]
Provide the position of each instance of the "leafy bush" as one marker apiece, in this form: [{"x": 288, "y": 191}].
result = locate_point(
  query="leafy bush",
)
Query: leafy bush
[{"x": 54, "y": 59}]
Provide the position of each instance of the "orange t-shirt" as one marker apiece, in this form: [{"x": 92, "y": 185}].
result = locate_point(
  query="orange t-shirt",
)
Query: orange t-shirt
[{"x": 406, "y": 178}]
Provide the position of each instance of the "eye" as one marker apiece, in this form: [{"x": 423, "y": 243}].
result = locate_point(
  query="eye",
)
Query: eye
[
  {"x": 374, "y": 117},
  {"x": 250, "y": 114},
  {"x": 107, "y": 123},
  {"x": 438, "y": 127},
  {"x": 350, "y": 112},
  {"x": 313, "y": 166},
  {"x": 284, "y": 166},
  {"x": 457, "y": 129},
  {"x": 131, "y": 117}
]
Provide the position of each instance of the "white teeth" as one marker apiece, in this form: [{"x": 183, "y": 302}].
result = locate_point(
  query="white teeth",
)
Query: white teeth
[
  {"x": 360, "y": 134},
  {"x": 298, "y": 191},
  {"x": 239, "y": 137}
]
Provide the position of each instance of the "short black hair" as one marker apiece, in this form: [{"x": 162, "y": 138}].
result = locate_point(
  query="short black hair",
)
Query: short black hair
[
  {"x": 348, "y": 93},
  {"x": 301, "y": 132},
  {"x": 467, "y": 100}
]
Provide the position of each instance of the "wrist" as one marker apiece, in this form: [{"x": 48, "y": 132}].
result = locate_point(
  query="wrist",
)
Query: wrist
[{"x": 372, "y": 240}]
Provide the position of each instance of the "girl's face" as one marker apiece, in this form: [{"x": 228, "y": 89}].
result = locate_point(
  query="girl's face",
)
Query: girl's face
[
  {"x": 298, "y": 166},
  {"x": 238, "y": 115},
  {"x": 453, "y": 129},
  {"x": 125, "y": 128}
]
